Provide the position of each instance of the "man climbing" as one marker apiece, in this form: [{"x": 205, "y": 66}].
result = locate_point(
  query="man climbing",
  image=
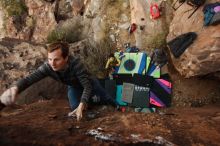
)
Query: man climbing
[{"x": 69, "y": 70}]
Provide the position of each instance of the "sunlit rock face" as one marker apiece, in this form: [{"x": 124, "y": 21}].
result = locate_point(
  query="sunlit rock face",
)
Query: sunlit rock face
[
  {"x": 43, "y": 16},
  {"x": 203, "y": 56}
]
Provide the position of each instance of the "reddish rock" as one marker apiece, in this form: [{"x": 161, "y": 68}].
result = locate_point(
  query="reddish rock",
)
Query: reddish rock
[{"x": 203, "y": 56}]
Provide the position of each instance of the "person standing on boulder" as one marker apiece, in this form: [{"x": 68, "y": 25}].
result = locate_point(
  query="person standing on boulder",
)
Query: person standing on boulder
[{"x": 61, "y": 66}]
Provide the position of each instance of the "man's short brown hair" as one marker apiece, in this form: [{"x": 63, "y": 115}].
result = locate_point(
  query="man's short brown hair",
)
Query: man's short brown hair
[{"x": 59, "y": 45}]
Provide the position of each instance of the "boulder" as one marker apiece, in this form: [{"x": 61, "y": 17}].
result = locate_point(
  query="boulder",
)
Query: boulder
[
  {"x": 33, "y": 24},
  {"x": 2, "y": 30},
  {"x": 150, "y": 33},
  {"x": 43, "y": 14},
  {"x": 94, "y": 24},
  {"x": 203, "y": 56},
  {"x": 66, "y": 9}
]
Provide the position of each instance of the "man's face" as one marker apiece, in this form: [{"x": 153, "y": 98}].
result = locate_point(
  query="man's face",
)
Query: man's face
[{"x": 56, "y": 60}]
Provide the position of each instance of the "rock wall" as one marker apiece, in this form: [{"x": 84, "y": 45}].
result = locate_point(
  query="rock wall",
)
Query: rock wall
[
  {"x": 203, "y": 56},
  {"x": 42, "y": 14},
  {"x": 150, "y": 33},
  {"x": 101, "y": 19},
  {"x": 2, "y": 34},
  {"x": 33, "y": 25},
  {"x": 95, "y": 25}
]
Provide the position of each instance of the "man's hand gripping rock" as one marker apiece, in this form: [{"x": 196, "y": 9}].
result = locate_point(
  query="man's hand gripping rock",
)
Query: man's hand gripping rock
[
  {"x": 78, "y": 112},
  {"x": 9, "y": 96}
]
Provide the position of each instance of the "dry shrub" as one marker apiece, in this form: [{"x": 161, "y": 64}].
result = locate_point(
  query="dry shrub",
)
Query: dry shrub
[
  {"x": 97, "y": 55},
  {"x": 70, "y": 31}
]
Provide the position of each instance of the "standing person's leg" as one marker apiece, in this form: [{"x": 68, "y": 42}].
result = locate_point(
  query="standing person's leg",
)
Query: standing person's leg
[
  {"x": 74, "y": 95},
  {"x": 99, "y": 91}
]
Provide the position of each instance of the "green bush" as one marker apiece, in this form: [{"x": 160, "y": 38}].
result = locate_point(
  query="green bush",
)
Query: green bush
[
  {"x": 97, "y": 52},
  {"x": 157, "y": 40},
  {"x": 70, "y": 33},
  {"x": 55, "y": 35},
  {"x": 14, "y": 7}
]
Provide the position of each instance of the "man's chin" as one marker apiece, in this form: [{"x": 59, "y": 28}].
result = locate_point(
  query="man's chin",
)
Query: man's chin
[{"x": 55, "y": 69}]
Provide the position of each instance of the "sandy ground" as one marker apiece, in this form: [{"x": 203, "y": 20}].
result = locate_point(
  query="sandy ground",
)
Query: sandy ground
[{"x": 46, "y": 123}]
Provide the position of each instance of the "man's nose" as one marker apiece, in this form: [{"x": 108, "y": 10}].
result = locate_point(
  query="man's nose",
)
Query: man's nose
[{"x": 52, "y": 62}]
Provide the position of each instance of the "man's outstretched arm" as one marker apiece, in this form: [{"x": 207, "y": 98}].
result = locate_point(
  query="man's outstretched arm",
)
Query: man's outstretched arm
[
  {"x": 84, "y": 79},
  {"x": 10, "y": 95}
]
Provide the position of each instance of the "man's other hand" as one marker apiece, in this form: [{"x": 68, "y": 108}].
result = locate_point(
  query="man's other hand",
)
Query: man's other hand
[
  {"x": 78, "y": 111},
  {"x": 9, "y": 96}
]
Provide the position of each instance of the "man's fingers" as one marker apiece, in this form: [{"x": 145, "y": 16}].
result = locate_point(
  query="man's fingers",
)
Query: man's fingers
[
  {"x": 14, "y": 92},
  {"x": 76, "y": 114},
  {"x": 13, "y": 95},
  {"x": 9, "y": 96},
  {"x": 79, "y": 117},
  {"x": 6, "y": 97},
  {"x": 79, "y": 114},
  {"x": 72, "y": 114}
]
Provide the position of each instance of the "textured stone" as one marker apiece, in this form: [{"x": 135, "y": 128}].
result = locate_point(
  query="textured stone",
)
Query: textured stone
[
  {"x": 203, "y": 56},
  {"x": 150, "y": 33},
  {"x": 96, "y": 25},
  {"x": 43, "y": 14},
  {"x": 2, "y": 34}
]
